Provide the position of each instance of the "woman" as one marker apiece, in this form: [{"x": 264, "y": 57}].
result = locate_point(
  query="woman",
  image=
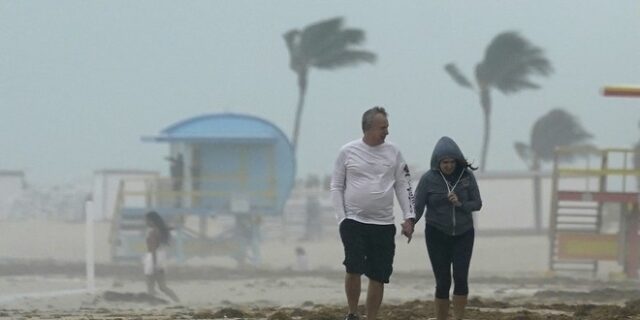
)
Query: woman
[
  {"x": 158, "y": 237},
  {"x": 450, "y": 193}
]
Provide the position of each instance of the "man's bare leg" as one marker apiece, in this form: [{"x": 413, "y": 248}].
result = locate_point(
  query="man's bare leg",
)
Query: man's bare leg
[
  {"x": 374, "y": 298},
  {"x": 352, "y": 289}
]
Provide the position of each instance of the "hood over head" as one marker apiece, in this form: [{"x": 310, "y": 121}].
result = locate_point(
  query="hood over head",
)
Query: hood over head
[{"x": 446, "y": 148}]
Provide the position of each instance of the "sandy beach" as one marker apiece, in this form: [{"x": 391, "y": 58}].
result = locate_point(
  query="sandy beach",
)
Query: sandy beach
[{"x": 42, "y": 276}]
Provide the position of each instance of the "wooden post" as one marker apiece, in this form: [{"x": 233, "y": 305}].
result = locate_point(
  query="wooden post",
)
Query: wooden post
[
  {"x": 632, "y": 239},
  {"x": 90, "y": 246}
]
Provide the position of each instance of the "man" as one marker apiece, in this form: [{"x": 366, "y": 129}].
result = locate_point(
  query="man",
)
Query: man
[
  {"x": 367, "y": 173},
  {"x": 176, "y": 169}
]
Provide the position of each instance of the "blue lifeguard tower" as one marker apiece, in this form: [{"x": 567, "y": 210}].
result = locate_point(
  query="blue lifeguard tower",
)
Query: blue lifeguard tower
[{"x": 220, "y": 164}]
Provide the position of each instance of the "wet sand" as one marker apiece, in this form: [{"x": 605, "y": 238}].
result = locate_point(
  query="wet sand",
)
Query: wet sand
[
  {"x": 509, "y": 280},
  {"x": 222, "y": 293},
  {"x": 508, "y": 303}
]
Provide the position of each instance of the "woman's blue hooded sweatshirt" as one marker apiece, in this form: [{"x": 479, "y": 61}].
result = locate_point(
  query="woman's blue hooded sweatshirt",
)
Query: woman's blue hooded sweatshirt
[{"x": 433, "y": 189}]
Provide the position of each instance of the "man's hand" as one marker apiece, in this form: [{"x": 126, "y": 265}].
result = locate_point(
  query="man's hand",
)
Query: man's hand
[{"x": 408, "y": 228}]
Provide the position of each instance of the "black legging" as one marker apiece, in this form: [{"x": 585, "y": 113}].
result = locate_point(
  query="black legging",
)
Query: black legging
[{"x": 445, "y": 251}]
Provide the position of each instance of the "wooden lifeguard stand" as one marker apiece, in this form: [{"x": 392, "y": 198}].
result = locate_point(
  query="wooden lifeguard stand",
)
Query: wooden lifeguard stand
[
  {"x": 233, "y": 165},
  {"x": 578, "y": 237}
]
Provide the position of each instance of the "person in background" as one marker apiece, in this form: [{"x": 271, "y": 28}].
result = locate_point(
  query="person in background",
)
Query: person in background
[
  {"x": 176, "y": 170},
  {"x": 302, "y": 261},
  {"x": 450, "y": 194},
  {"x": 313, "y": 209},
  {"x": 367, "y": 173},
  {"x": 155, "y": 262},
  {"x": 636, "y": 159},
  {"x": 248, "y": 239}
]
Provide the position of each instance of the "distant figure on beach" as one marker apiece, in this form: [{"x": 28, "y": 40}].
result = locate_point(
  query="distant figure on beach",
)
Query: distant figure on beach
[
  {"x": 636, "y": 159},
  {"x": 367, "y": 174},
  {"x": 176, "y": 169},
  {"x": 248, "y": 237},
  {"x": 313, "y": 209},
  {"x": 450, "y": 193},
  {"x": 155, "y": 260},
  {"x": 313, "y": 223},
  {"x": 302, "y": 261}
]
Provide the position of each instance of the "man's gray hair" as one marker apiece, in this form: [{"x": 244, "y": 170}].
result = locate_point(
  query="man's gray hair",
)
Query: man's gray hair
[{"x": 367, "y": 117}]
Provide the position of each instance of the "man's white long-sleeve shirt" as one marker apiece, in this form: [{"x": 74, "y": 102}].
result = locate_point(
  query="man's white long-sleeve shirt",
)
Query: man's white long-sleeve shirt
[{"x": 364, "y": 180}]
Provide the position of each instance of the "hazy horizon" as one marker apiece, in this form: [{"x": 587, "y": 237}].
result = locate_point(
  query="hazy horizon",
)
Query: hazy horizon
[{"x": 82, "y": 81}]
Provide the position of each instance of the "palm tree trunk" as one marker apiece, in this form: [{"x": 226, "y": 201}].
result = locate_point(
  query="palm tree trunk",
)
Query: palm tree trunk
[
  {"x": 537, "y": 200},
  {"x": 485, "y": 102},
  {"x": 302, "y": 90}
]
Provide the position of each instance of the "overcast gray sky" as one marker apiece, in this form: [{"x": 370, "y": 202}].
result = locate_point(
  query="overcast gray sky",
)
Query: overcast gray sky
[{"x": 82, "y": 81}]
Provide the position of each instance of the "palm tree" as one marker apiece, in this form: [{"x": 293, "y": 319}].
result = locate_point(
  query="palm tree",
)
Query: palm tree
[
  {"x": 323, "y": 45},
  {"x": 555, "y": 129},
  {"x": 508, "y": 62}
]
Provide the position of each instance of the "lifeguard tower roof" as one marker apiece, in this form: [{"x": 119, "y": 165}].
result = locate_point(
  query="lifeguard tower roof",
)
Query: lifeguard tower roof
[{"x": 222, "y": 127}]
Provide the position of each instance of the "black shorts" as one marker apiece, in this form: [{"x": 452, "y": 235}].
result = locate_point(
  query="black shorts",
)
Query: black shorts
[{"x": 368, "y": 249}]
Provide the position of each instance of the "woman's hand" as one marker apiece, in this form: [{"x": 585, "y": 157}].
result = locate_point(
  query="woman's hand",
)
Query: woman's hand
[{"x": 453, "y": 198}]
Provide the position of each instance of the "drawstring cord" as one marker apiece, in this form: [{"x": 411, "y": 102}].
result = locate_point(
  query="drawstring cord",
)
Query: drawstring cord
[{"x": 450, "y": 189}]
